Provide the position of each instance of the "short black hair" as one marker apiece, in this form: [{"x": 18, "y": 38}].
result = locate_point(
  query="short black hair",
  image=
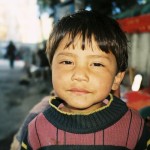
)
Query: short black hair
[{"x": 106, "y": 31}]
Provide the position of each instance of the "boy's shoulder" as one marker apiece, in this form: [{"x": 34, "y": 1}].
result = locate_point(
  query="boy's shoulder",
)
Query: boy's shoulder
[
  {"x": 38, "y": 117},
  {"x": 134, "y": 114},
  {"x": 41, "y": 106},
  {"x": 133, "y": 120},
  {"x": 131, "y": 116},
  {"x": 38, "y": 121}
]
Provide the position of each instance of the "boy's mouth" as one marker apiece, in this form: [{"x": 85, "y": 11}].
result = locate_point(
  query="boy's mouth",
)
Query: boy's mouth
[{"x": 79, "y": 91}]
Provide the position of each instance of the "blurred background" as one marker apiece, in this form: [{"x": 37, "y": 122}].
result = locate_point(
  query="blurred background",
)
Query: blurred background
[{"x": 25, "y": 77}]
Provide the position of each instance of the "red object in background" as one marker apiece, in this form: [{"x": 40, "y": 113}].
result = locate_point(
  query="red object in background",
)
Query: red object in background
[
  {"x": 138, "y": 100},
  {"x": 135, "y": 24}
]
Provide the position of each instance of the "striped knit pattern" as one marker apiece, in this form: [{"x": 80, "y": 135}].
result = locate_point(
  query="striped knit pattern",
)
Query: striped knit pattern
[
  {"x": 125, "y": 133},
  {"x": 100, "y": 130}
]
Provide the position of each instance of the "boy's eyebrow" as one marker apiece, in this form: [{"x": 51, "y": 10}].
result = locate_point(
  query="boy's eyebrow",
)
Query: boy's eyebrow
[
  {"x": 90, "y": 56},
  {"x": 99, "y": 56},
  {"x": 65, "y": 54}
]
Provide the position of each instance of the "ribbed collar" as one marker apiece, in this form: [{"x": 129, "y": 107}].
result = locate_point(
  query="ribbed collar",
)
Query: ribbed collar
[{"x": 77, "y": 123}]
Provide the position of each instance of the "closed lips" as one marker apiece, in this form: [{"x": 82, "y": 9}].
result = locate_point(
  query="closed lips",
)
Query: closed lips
[{"x": 77, "y": 90}]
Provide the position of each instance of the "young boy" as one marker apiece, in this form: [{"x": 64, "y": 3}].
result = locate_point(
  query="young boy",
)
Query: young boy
[{"x": 88, "y": 57}]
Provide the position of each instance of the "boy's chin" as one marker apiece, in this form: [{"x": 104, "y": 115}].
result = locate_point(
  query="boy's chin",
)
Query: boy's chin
[{"x": 83, "y": 108}]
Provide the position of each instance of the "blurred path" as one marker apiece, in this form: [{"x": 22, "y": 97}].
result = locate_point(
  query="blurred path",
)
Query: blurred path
[
  {"x": 9, "y": 90},
  {"x": 16, "y": 99}
]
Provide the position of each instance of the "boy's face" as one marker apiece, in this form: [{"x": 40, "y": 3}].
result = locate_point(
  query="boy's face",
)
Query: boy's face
[{"x": 83, "y": 78}]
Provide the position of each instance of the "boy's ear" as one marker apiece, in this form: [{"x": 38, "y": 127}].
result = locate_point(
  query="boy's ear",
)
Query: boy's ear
[{"x": 118, "y": 78}]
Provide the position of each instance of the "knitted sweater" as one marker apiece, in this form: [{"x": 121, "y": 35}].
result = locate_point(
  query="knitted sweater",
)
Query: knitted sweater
[{"x": 112, "y": 127}]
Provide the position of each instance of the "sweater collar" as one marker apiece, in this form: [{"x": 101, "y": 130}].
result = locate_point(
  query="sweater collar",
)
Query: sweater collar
[
  {"x": 55, "y": 102},
  {"x": 92, "y": 122}
]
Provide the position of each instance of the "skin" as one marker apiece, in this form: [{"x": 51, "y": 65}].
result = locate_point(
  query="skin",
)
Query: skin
[{"x": 83, "y": 78}]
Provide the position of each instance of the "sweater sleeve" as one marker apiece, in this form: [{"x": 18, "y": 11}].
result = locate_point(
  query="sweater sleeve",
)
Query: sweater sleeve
[
  {"x": 40, "y": 107},
  {"x": 24, "y": 126},
  {"x": 24, "y": 144},
  {"x": 144, "y": 141}
]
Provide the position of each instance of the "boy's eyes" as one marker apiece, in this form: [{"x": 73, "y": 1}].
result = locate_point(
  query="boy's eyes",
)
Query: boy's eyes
[
  {"x": 97, "y": 65},
  {"x": 66, "y": 62}
]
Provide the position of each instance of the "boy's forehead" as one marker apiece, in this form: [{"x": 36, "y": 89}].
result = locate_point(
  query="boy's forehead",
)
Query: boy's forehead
[{"x": 91, "y": 47}]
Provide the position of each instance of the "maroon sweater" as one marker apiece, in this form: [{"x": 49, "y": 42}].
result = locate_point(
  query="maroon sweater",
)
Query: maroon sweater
[{"x": 111, "y": 127}]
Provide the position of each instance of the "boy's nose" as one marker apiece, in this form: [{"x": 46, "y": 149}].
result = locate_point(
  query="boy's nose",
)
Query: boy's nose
[{"x": 80, "y": 74}]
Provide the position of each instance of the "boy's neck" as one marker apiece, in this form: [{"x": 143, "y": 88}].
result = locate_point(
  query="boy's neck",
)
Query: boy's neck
[{"x": 91, "y": 109}]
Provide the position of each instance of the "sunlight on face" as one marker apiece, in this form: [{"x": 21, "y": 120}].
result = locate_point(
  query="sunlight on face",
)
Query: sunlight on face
[{"x": 82, "y": 78}]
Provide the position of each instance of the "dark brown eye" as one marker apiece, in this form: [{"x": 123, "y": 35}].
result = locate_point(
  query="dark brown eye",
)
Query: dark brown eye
[
  {"x": 66, "y": 62},
  {"x": 97, "y": 64}
]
